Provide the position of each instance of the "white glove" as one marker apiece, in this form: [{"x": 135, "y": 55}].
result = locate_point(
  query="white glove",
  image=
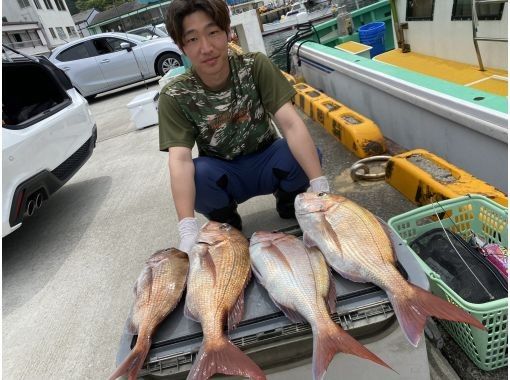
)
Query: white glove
[
  {"x": 188, "y": 232},
  {"x": 319, "y": 185}
]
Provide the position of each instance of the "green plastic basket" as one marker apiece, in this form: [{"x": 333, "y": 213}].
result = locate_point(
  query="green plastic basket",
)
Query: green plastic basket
[{"x": 489, "y": 220}]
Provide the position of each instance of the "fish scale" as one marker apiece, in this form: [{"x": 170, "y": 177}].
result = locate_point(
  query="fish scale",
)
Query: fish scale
[
  {"x": 357, "y": 246},
  {"x": 298, "y": 280},
  {"x": 157, "y": 291},
  {"x": 219, "y": 273}
]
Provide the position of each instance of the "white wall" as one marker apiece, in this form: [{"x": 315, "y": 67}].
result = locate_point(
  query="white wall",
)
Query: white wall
[
  {"x": 453, "y": 40},
  {"x": 54, "y": 18},
  {"x": 47, "y": 18}
]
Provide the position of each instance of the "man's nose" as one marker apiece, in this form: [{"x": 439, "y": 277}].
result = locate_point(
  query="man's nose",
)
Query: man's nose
[{"x": 205, "y": 45}]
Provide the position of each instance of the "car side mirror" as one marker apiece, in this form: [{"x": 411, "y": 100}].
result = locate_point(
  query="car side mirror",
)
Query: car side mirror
[{"x": 125, "y": 45}]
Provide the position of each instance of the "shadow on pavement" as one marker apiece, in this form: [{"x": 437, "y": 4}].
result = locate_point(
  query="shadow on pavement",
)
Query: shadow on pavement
[{"x": 29, "y": 258}]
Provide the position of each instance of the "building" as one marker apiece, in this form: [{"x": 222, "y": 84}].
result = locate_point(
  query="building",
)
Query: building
[
  {"x": 128, "y": 16},
  {"x": 36, "y": 26},
  {"x": 83, "y": 20}
]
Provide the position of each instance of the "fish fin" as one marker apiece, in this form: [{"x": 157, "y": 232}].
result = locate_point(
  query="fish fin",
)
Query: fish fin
[
  {"x": 293, "y": 315},
  {"x": 290, "y": 314},
  {"x": 134, "y": 361},
  {"x": 223, "y": 357},
  {"x": 131, "y": 326},
  {"x": 332, "y": 339},
  {"x": 188, "y": 314},
  {"x": 236, "y": 314},
  {"x": 412, "y": 312},
  {"x": 331, "y": 297},
  {"x": 142, "y": 291},
  {"x": 308, "y": 240},
  {"x": 258, "y": 275},
  {"x": 207, "y": 261}
]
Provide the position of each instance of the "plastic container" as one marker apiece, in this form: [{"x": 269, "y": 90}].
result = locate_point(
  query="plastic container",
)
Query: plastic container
[
  {"x": 489, "y": 220},
  {"x": 373, "y": 35},
  {"x": 144, "y": 109}
]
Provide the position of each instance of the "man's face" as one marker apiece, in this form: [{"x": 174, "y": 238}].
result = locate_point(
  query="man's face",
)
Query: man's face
[{"x": 206, "y": 45}]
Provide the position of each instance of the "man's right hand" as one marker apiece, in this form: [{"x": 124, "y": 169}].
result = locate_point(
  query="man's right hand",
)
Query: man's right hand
[{"x": 188, "y": 232}]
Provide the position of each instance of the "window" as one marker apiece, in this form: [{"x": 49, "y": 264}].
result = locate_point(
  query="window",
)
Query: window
[
  {"x": 71, "y": 31},
  {"x": 108, "y": 45},
  {"x": 23, "y": 3},
  {"x": 61, "y": 33},
  {"x": 48, "y": 4},
  {"x": 462, "y": 10},
  {"x": 17, "y": 37},
  {"x": 418, "y": 10},
  {"x": 115, "y": 43},
  {"x": 73, "y": 53},
  {"x": 4, "y": 19},
  {"x": 102, "y": 46},
  {"x": 52, "y": 33},
  {"x": 37, "y": 4},
  {"x": 60, "y": 5}
]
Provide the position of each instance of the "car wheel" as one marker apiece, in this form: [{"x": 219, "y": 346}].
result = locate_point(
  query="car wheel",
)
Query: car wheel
[{"x": 167, "y": 62}]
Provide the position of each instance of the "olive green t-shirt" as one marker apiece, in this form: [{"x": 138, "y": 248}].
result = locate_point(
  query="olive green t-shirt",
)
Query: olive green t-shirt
[{"x": 229, "y": 122}]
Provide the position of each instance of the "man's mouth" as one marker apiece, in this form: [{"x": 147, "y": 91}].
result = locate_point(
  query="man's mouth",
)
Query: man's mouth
[{"x": 210, "y": 61}]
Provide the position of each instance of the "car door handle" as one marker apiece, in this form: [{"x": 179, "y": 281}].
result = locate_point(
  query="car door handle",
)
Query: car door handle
[
  {"x": 105, "y": 60},
  {"x": 67, "y": 68}
]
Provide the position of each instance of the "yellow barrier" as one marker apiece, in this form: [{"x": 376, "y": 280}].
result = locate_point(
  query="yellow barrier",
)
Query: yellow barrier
[
  {"x": 289, "y": 77},
  {"x": 299, "y": 98},
  {"x": 357, "y": 133},
  {"x": 322, "y": 109},
  {"x": 424, "y": 178}
]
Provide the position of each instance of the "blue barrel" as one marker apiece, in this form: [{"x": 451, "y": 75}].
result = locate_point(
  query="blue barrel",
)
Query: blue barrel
[{"x": 373, "y": 35}]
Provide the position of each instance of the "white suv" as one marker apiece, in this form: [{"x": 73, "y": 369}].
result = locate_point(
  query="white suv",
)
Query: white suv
[{"x": 48, "y": 133}]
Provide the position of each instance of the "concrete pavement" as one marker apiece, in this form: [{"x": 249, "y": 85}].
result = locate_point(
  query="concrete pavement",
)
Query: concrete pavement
[{"x": 68, "y": 272}]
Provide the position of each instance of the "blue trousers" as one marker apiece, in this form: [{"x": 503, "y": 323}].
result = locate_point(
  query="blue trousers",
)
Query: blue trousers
[{"x": 220, "y": 182}]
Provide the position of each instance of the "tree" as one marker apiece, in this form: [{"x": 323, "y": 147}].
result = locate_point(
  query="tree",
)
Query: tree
[{"x": 71, "y": 5}]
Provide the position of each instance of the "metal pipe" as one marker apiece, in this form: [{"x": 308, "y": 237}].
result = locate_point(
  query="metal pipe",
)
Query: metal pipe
[
  {"x": 30, "y": 207},
  {"x": 494, "y": 39},
  {"x": 474, "y": 23},
  {"x": 491, "y": 1},
  {"x": 39, "y": 199}
]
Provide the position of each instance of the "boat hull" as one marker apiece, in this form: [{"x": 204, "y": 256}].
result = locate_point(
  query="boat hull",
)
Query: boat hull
[{"x": 417, "y": 114}]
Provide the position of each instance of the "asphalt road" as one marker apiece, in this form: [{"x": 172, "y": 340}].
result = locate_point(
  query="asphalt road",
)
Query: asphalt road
[{"x": 68, "y": 272}]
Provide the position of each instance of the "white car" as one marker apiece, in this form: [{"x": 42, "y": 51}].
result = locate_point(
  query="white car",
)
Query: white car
[
  {"x": 48, "y": 133},
  {"x": 106, "y": 61}
]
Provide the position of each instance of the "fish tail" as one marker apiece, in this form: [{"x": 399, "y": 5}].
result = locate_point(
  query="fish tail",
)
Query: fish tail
[
  {"x": 134, "y": 361},
  {"x": 223, "y": 357},
  {"x": 412, "y": 312},
  {"x": 332, "y": 339}
]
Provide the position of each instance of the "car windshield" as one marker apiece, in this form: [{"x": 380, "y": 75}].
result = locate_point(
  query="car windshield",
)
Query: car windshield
[{"x": 136, "y": 37}]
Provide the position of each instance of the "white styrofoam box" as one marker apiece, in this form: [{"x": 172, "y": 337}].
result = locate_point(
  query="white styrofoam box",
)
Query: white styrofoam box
[{"x": 144, "y": 109}]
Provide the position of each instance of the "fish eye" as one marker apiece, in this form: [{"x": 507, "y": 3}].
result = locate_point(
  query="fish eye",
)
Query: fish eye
[
  {"x": 225, "y": 226},
  {"x": 321, "y": 194}
]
